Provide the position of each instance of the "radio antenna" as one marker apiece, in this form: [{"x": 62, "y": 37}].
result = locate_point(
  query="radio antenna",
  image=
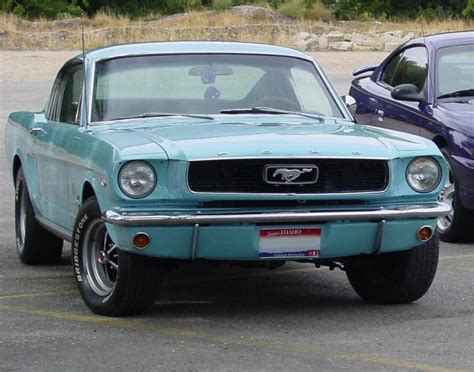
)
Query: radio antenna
[
  {"x": 422, "y": 29},
  {"x": 84, "y": 98}
]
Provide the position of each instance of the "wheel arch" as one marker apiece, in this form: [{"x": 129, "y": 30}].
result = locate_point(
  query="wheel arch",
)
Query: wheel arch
[
  {"x": 440, "y": 141},
  {"x": 87, "y": 191},
  {"x": 16, "y": 166},
  {"x": 91, "y": 187}
]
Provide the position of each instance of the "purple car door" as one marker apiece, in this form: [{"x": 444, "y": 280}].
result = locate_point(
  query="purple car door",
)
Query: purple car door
[{"x": 409, "y": 66}]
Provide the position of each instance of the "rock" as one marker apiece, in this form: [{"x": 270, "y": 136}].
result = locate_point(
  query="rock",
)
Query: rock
[
  {"x": 334, "y": 36},
  {"x": 323, "y": 43},
  {"x": 343, "y": 45},
  {"x": 258, "y": 12},
  {"x": 367, "y": 41},
  {"x": 301, "y": 37},
  {"x": 308, "y": 42},
  {"x": 396, "y": 34},
  {"x": 407, "y": 37},
  {"x": 316, "y": 44},
  {"x": 388, "y": 37},
  {"x": 389, "y": 47}
]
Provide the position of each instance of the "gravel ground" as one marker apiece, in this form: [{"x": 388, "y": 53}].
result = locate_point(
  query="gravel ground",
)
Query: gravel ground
[{"x": 43, "y": 65}]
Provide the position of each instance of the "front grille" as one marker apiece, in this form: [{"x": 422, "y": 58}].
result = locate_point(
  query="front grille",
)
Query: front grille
[{"x": 248, "y": 176}]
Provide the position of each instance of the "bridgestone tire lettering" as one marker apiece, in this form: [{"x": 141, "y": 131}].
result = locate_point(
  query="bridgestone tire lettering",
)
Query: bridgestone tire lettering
[{"x": 137, "y": 280}]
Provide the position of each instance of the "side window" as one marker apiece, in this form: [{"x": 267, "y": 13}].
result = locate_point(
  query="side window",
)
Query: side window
[
  {"x": 390, "y": 68},
  {"x": 71, "y": 94},
  {"x": 410, "y": 67}
]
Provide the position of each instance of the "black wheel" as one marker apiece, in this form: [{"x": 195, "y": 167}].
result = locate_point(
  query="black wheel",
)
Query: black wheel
[
  {"x": 111, "y": 282},
  {"x": 34, "y": 244},
  {"x": 457, "y": 226},
  {"x": 395, "y": 277}
]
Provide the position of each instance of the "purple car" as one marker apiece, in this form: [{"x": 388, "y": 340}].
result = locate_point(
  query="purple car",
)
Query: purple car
[{"x": 426, "y": 87}]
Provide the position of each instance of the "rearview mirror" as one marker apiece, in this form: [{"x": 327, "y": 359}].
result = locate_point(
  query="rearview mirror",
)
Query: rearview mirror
[{"x": 208, "y": 73}]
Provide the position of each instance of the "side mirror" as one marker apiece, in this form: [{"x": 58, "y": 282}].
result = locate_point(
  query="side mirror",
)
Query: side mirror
[
  {"x": 351, "y": 103},
  {"x": 408, "y": 92}
]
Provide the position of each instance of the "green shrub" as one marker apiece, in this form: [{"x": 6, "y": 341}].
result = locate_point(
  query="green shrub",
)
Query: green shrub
[
  {"x": 320, "y": 12},
  {"x": 180, "y": 6},
  {"x": 346, "y": 9},
  {"x": 293, "y": 8},
  {"x": 222, "y": 4},
  {"x": 468, "y": 11}
]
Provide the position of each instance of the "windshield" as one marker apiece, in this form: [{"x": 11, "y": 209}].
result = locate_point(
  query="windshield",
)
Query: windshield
[
  {"x": 135, "y": 86},
  {"x": 455, "y": 71}
]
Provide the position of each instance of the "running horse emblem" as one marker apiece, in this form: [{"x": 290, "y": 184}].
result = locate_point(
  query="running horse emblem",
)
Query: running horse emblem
[{"x": 289, "y": 175}]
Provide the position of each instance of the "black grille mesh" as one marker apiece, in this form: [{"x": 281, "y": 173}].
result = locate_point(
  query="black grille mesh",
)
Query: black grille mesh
[{"x": 247, "y": 176}]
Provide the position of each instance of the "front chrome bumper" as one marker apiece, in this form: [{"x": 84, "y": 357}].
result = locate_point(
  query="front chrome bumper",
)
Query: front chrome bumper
[{"x": 155, "y": 219}]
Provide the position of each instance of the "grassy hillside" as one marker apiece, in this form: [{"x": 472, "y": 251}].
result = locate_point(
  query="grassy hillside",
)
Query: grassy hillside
[{"x": 237, "y": 24}]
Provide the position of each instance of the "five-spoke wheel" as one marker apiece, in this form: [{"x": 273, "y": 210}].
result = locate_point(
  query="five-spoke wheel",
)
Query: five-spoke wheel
[{"x": 111, "y": 281}]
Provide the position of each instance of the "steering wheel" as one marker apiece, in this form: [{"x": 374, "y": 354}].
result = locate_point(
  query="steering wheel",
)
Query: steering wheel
[{"x": 277, "y": 102}]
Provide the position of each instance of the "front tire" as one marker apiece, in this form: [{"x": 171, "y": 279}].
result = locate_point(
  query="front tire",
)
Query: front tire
[
  {"x": 395, "y": 277},
  {"x": 34, "y": 244},
  {"x": 457, "y": 225},
  {"x": 111, "y": 282}
]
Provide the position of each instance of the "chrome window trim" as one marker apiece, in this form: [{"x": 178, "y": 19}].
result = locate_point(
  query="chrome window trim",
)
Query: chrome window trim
[{"x": 324, "y": 78}]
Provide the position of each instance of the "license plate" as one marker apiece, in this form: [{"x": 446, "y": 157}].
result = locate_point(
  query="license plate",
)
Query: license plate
[{"x": 281, "y": 243}]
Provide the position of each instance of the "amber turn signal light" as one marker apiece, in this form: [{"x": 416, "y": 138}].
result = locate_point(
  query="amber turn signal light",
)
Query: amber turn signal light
[
  {"x": 141, "y": 240},
  {"x": 424, "y": 233}
]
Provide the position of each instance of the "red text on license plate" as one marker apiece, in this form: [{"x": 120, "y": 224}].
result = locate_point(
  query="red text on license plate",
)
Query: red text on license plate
[{"x": 292, "y": 242}]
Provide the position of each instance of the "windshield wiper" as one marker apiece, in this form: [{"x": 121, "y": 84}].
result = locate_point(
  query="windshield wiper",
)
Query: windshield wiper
[
  {"x": 458, "y": 93},
  {"x": 270, "y": 110},
  {"x": 161, "y": 114}
]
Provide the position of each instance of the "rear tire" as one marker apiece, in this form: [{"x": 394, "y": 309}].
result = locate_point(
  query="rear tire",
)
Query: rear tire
[
  {"x": 457, "y": 226},
  {"x": 395, "y": 277},
  {"x": 34, "y": 244},
  {"x": 111, "y": 282}
]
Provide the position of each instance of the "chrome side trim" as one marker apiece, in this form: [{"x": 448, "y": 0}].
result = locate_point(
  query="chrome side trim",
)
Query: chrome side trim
[
  {"x": 155, "y": 219},
  {"x": 54, "y": 229}
]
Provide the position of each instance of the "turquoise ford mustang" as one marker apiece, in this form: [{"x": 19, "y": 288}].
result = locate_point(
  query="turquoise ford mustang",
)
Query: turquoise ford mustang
[{"x": 152, "y": 154}]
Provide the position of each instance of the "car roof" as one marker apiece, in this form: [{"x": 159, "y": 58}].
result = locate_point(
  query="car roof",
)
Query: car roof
[
  {"x": 190, "y": 47},
  {"x": 437, "y": 41}
]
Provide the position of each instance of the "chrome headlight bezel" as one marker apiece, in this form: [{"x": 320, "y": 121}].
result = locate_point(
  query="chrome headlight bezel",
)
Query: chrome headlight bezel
[
  {"x": 414, "y": 183},
  {"x": 148, "y": 176}
]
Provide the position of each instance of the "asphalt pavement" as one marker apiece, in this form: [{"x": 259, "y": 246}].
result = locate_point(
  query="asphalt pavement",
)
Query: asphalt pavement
[{"x": 222, "y": 318}]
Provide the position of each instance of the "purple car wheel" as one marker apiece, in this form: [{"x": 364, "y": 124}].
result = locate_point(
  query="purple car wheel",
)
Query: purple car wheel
[{"x": 457, "y": 225}]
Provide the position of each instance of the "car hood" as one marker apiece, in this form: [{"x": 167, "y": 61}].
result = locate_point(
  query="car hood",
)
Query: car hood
[
  {"x": 256, "y": 136},
  {"x": 458, "y": 114}
]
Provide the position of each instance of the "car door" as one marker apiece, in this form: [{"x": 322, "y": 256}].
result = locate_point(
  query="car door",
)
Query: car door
[
  {"x": 50, "y": 141},
  {"x": 409, "y": 66}
]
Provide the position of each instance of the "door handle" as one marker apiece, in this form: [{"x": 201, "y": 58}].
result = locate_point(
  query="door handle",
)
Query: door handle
[
  {"x": 372, "y": 103},
  {"x": 36, "y": 131},
  {"x": 380, "y": 114}
]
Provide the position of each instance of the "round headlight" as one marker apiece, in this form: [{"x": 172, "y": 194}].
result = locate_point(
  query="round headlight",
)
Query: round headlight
[
  {"x": 423, "y": 174},
  {"x": 137, "y": 179}
]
